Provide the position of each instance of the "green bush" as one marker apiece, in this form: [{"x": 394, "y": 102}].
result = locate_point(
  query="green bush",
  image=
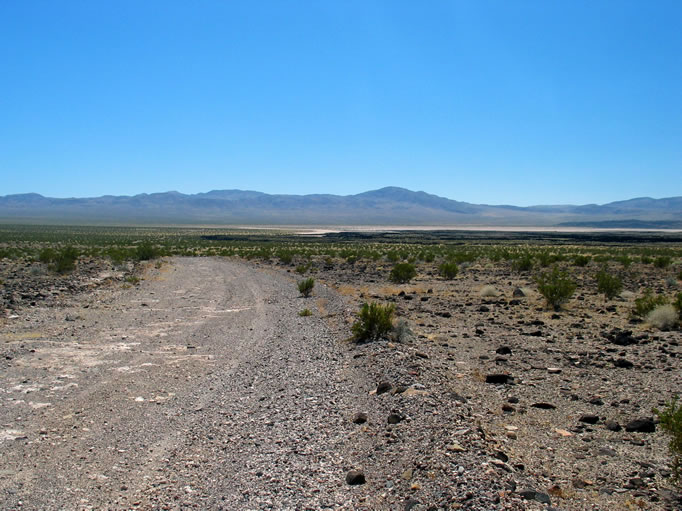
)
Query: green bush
[
  {"x": 523, "y": 263},
  {"x": 302, "y": 268},
  {"x": 305, "y": 287},
  {"x": 47, "y": 255},
  {"x": 146, "y": 252},
  {"x": 671, "y": 422},
  {"x": 285, "y": 256},
  {"x": 662, "y": 262},
  {"x": 609, "y": 285},
  {"x": 647, "y": 303},
  {"x": 403, "y": 272},
  {"x": 448, "y": 270},
  {"x": 678, "y": 304},
  {"x": 581, "y": 260},
  {"x": 556, "y": 287},
  {"x": 305, "y": 313},
  {"x": 374, "y": 322},
  {"x": 64, "y": 260}
]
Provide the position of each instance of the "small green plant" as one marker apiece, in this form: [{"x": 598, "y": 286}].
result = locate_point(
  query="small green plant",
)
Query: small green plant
[
  {"x": 448, "y": 270},
  {"x": 609, "y": 285},
  {"x": 647, "y": 303},
  {"x": 374, "y": 322},
  {"x": 305, "y": 313},
  {"x": 646, "y": 259},
  {"x": 403, "y": 272},
  {"x": 678, "y": 304},
  {"x": 671, "y": 422},
  {"x": 581, "y": 260},
  {"x": 556, "y": 287},
  {"x": 305, "y": 287},
  {"x": 132, "y": 279},
  {"x": 624, "y": 260},
  {"x": 663, "y": 317},
  {"x": 285, "y": 256},
  {"x": 146, "y": 252},
  {"x": 47, "y": 255},
  {"x": 662, "y": 262},
  {"x": 65, "y": 260},
  {"x": 302, "y": 268},
  {"x": 523, "y": 263}
]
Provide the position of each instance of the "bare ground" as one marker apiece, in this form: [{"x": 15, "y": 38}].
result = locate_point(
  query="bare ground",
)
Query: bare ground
[{"x": 202, "y": 387}]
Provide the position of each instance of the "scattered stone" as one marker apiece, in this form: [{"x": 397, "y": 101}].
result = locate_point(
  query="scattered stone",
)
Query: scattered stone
[
  {"x": 554, "y": 370},
  {"x": 360, "y": 418},
  {"x": 543, "y": 406},
  {"x": 530, "y": 494},
  {"x": 395, "y": 418},
  {"x": 612, "y": 426},
  {"x": 624, "y": 363},
  {"x": 589, "y": 418},
  {"x": 563, "y": 432},
  {"x": 383, "y": 387},
  {"x": 518, "y": 293},
  {"x": 498, "y": 378},
  {"x": 503, "y": 350},
  {"x": 355, "y": 477},
  {"x": 643, "y": 425}
]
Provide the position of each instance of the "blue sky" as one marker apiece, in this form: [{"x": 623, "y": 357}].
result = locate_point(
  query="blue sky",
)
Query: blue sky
[{"x": 517, "y": 102}]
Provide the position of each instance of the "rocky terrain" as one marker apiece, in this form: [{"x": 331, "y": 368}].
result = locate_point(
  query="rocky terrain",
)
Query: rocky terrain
[{"x": 203, "y": 387}]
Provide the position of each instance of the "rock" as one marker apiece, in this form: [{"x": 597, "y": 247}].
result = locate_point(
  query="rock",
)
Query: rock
[
  {"x": 360, "y": 418},
  {"x": 503, "y": 350},
  {"x": 563, "y": 432},
  {"x": 612, "y": 426},
  {"x": 395, "y": 418},
  {"x": 355, "y": 477},
  {"x": 624, "y": 363},
  {"x": 421, "y": 354},
  {"x": 530, "y": 494},
  {"x": 518, "y": 293},
  {"x": 554, "y": 370},
  {"x": 410, "y": 503},
  {"x": 589, "y": 418},
  {"x": 498, "y": 378},
  {"x": 455, "y": 447},
  {"x": 643, "y": 425},
  {"x": 483, "y": 308},
  {"x": 606, "y": 451},
  {"x": 407, "y": 475},
  {"x": 384, "y": 387},
  {"x": 543, "y": 406}
]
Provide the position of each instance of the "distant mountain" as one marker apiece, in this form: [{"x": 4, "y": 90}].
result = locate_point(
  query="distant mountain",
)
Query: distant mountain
[{"x": 387, "y": 206}]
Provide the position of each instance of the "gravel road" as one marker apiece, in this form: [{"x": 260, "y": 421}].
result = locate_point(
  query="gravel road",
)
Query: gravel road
[{"x": 202, "y": 387}]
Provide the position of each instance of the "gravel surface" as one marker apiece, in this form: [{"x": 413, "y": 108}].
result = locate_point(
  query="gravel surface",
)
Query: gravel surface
[{"x": 202, "y": 387}]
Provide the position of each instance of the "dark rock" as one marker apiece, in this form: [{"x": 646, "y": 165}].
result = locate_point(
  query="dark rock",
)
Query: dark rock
[
  {"x": 613, "y": 426},
  {"x": 354, "y": 477},
  {"x": 518, "y": 293},
  {"x": 643, "y": 425},
  {"x": 498, "y": 378},
  {"x": 535, "y": 495},
  {"x": 384, "y": 387},
  {"x": 596, "y": 401},
  {"x": 543, "y": 406},
  {"x": 360, "y": 418},
  {"x": 589, "y": 418},
  {"x": 503, "y": 350},
  {"x": 624, "y": 363},
  {"x": 421, "y": 354},
  {"x": 395, "y": 418},
  {"x": 508, "y": 408},
  {"x": 483, "y": 308},
  {"x": 410, "y": 503}
]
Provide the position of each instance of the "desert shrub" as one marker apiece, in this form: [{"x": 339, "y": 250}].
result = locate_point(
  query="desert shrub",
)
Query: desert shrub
[
  {"x": 646, "y": 259},
  {"x": 523, "y": 263},
  {"x": 679, "y": 275},
  {"x": 393, "y": 256},
  {"x": 302, "y": 268},
  {"x": 146, "y": 252},
  {"x": 581, "y": 260},
  {"x": 647, "y": 303},
  {"x": 556, "y": 287},
  {"x": 448, "y": 270},
  {"x": 662, "y": 262},
  {"x": 132, "y": 279},
  {"x": 403, "y": 272},
  {"x": 678, "y": 304},
  {"x": 65, "y": 260},
  {"x": 285, "y": 256},
  {"x": 428, "y": 257},
  {"x": 47, "y": 255},
  {"x": 671, "y": 422},
  {"x": 609, "y": 285},
  {"x": 374, "y": 321},
  {"x": 305, "y": 287},
  {"x": 402, "y": 331},
  {"x": 488, "y": 291},
  {"x": 663, "y": 317},
  {"x": 305, "y": 313},
  {"x": 624, "y": 260}
]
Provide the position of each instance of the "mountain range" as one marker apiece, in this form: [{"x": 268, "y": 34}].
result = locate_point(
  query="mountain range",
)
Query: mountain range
[{"x": 386, "y": 206}]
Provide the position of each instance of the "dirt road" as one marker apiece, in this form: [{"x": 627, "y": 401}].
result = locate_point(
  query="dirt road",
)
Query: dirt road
[{"x": 202, "y": 387}]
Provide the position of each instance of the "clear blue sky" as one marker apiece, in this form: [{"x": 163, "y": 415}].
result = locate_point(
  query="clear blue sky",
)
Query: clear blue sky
[{"x": 518, "y": 102}]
